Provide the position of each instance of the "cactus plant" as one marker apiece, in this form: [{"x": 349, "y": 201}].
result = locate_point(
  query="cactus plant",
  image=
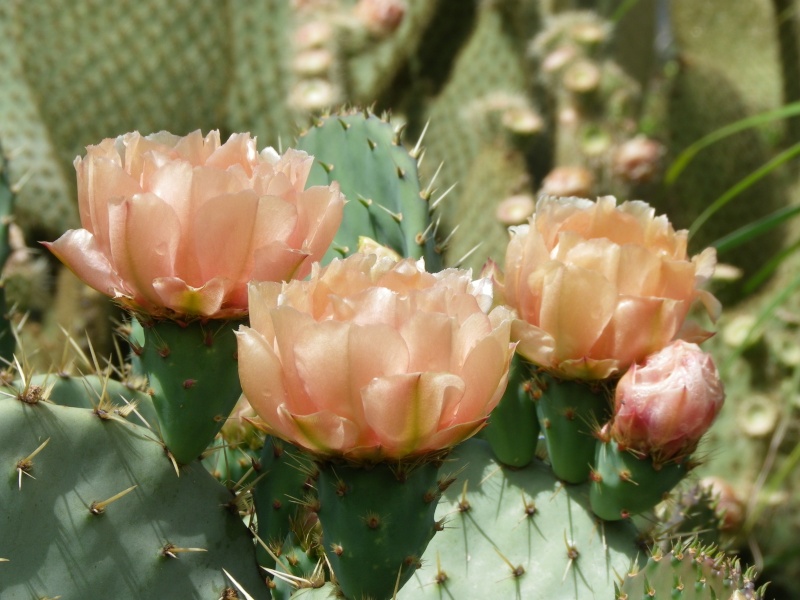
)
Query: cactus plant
[
  {"x": 93, "y": 507},
  {"x": 690, "y": 572},
  {"x": 512, "y": 533},
  {"x": 379, "y": 178}
]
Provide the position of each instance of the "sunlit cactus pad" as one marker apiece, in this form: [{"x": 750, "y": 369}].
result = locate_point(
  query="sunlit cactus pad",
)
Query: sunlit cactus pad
[
  {"x": 63, "y": 533},
  {"x": 380, "y": 180},
  {"x": 519, "y": 534}
]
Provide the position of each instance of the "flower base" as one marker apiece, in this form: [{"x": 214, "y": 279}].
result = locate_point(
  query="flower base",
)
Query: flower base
[
  {"x": 376, "y": 523},
  {"x": 194, "y": 378}
]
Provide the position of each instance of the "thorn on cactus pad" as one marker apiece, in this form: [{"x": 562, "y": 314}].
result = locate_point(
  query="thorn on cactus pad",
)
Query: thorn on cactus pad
[
  {"x": 31, "y": 394},
  {"x": 99, "y": 507},
  {"x": 337, "y": 549},
  {"x": 517, "y": 571},
  {"x": 327, "y": 167},
  {"x": 345, "y": 125},
  {"x": 430, "y": 496},
  {"x": 229, "y": 594},
  {"x": 372, "y": 145},
  {"x": 189, "y": 384},
  {"x": 172, "y": 551},
  {"x": 25, "y": 465},
  {"x": 372, "y": 520},
  {"x": 463, "y": 504},
  {"x": 530, "y": 507}
]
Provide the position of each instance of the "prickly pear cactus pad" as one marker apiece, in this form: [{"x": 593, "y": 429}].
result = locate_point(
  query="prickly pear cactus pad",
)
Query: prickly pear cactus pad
[
  {"x": 93, "y": 509},
  {"x": 380, "y": 180},
  {"x": 690, "y": 572},
  {"x": 518, "y": 534}
]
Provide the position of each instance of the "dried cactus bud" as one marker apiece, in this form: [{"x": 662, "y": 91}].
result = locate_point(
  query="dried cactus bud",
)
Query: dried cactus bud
[
  {"x": 638, "y": 159},
  {"x": 582, "y": 77},
  {"x": 313, "y": 94},
  {"x": 312, "y": 63},
  {"x": 522, "y": 121},
  {"x": 515, "y": 210},
  {"x": 558, "y": 58},
  {"x": 663, "y": 406},
  {"x": 381, "y": 17},
  {"x": 568, "y": 181},
  {"x": 313, "y": 34}
]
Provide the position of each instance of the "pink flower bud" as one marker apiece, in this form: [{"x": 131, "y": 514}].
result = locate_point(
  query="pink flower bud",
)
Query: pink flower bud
[{"x": 663, "y": 406}]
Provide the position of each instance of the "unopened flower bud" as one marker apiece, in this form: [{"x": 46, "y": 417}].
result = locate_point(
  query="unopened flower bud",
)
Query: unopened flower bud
[{"x": 664, "y": 405}]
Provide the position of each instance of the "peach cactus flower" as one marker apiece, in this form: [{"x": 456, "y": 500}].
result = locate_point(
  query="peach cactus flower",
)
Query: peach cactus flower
[
  {"x": 663, "y": 406},
  {"x": 373, "y": 359},
  {"x": 598, "y": 286},
  {"x": 177, "y": 226}
]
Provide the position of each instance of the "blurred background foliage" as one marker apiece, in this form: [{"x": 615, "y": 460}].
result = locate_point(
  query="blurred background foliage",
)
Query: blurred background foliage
[{"x": 691, "y": 106}]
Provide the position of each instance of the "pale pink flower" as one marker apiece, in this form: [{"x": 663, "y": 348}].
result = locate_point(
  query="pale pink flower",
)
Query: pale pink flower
[
  {"x": 663, "y": 406},
  {"x": 598, "y": 286},
  {"x": 373, "y": 359},
  {"x": 176, "y": 226}
]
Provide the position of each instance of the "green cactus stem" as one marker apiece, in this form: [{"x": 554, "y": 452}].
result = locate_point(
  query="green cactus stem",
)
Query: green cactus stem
[
  {"x": 7, "y": 202},
  {"x": 279, "y": 494},
  {"x": 376, "y": 523},
  {"x": 570, "y": 412},
  {"x": 195, "y": 380},
  {"x": 513, "y": 430},
  {"x": 625, "y": 484}
]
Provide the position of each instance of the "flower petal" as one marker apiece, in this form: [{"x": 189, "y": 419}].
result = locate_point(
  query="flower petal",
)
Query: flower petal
[
  {"x": 79, "y": 250},
  {"x": 404, "y": 410}
]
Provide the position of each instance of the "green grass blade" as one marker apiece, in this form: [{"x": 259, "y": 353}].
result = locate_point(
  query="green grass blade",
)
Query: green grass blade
[
  {"x": 769, "y": 268},
  {"x": 685, "y": 157},
  {"x": 765, "y": 314},
  {"x": 743, "y": 184},
  {"x": 622, "y": 9},
  {"x": 755, "y": 229}
]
